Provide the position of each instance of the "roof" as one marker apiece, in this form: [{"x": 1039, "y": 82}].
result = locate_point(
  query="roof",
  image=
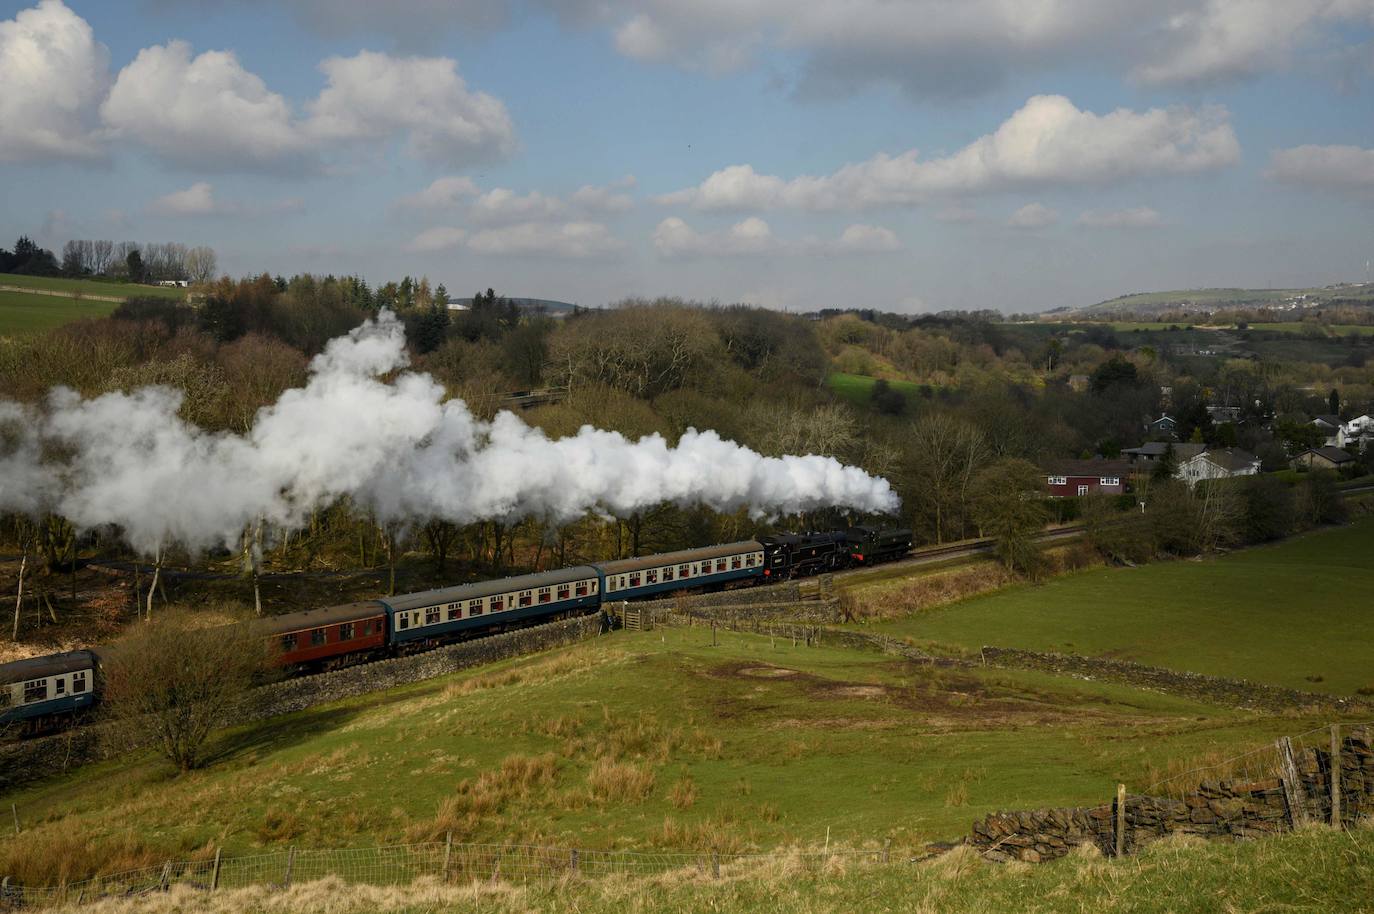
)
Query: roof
[
  {"x": 51, "y": 665},
  {"x": 1331, "y": 453},
  {"x": 1231, "y": 458},
  {"x": 620, "y": 566},
  {"x": 1328, "y": 419},
  {"x": 1183, "y": 451},
  {"x": 1116, "y": 468},
  {"x": 318, "y": 618},
  {"x": 1165, "y": 417},
  {"x": 487, "y": 588}
]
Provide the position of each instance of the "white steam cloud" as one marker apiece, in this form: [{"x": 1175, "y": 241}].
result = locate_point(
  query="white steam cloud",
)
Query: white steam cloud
[{"x": 396, "y": 447}]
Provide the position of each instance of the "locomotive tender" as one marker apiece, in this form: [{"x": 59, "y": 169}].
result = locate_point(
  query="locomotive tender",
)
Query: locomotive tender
[{"x": 37, "y": 692}]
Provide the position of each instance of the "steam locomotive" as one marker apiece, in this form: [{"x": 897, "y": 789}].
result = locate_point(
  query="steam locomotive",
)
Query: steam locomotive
[{"x": 39, "y": 693}]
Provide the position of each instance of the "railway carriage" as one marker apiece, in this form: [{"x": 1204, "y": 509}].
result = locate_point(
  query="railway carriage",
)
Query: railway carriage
[
  {"x": 432, "y": 615},
  {"x": 711, "y": 566},
  {"x": 329, "y": 637},
  {"x": 37, "y": 692},
  {"x": 869, "y": 545}
]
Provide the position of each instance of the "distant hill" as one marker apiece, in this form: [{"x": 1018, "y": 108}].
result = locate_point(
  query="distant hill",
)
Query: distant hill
[
  {"x": 1203, "y": 301},
  {"x": 530, "y": 305}
]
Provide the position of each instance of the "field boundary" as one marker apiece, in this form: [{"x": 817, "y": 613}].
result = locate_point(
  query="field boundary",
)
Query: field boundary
[
  {"x": 59, "y": 293},
  {"x": 447, "y": 861}
]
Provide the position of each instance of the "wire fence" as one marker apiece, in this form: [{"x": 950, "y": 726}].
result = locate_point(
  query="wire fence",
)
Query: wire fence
[{"x": 449, "y": 862}]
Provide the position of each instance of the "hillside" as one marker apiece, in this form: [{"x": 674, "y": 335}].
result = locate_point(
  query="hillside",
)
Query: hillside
[{"x": 1205, "y": 300}]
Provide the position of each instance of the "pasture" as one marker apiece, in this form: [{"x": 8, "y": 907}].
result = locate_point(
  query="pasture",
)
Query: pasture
[
  {"x": 24, "y": 312},
  {"x": 1293, "y": 614},
  {"x": 638, "y": 740},
  {"x": 858, "y": 389},
  {"x": 89, "y": 286}
]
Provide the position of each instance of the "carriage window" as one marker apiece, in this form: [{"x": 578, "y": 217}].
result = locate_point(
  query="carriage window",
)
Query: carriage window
[
  {"x": 497, "y": 604},
  {"x": 749, "y": 560},
  {"x": 634, "y": 580},
  {"x": 35, "y": 690},
  {"x": 60, "y": 686},
  {"x": 432, "y": 615},
  {"x": 454, "y": 611},
  {"x": 651, "y": 576},
  {"x": 545, "y": 595},
  {"x": 526, "y": 598},
  {"x": 367, "y": 629},
  {"x": 288, "y": 643},
  {"x": 564, "y": 592},
  {"x": 581, "y": 588},
  {"x": 78, "y": 682},
  {"x": 346, "y": 631},
  {"x": 316, "y": 637},
  {"x": 475, "y": 607},
  {"x": 667, "y": 574},
  {"x": 684, "y": 571},
  {"x": 720, "y": 564},
  {"x": 402, "y": 622},
  {"x": 735, "y": 562}
]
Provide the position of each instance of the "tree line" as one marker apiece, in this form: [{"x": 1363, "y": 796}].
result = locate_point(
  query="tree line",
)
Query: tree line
[{"x": 123, "y": 261}]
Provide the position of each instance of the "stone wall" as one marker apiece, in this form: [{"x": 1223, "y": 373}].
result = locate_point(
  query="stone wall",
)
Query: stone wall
[
  {"x": 1237, "y": 693},
  {"x": 33, "y": 759},
  {"x": 1224, "y": 810}
]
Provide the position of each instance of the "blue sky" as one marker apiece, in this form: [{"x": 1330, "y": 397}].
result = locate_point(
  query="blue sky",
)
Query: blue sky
[{"x": 901, "y": 154}]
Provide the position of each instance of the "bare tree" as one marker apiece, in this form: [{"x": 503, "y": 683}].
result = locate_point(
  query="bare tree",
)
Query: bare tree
[
  {"x": 168, "y": 684},
  {"x": 201, "y": 264},
  {"x": 945, "y": 453},
  {"x": 101, "y": 252}
]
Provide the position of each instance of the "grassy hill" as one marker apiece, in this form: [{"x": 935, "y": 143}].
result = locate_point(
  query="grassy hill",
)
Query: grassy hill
[
  {"x": 639, "y": 740},
  {"x": 1220, "y": 298},
  {"x": 55, "y": 301},
  {"x": 89, "y": 286},
  {"x": 1293, "y": 614}
]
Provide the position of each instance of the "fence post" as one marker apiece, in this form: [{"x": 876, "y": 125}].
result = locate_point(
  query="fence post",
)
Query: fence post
[
  {"x": 1120, "y": 820},
  {"x": 1335, "y": 775},
  {"x": 1292, "y": 784},
  {"x": 887, "y": 849},
  {"x": 715, "y": 864},
  {"x": 214, "y": 873},
  {"x": 572, "y": 860},
  {"x": 290, "y": 864},
  {"x": 166, "y": 876},
  {"x": 448, "y": 853},
  {"x": 15, "y": 811}
]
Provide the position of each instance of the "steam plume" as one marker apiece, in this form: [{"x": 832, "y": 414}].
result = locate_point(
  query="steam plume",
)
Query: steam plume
[{"x": 397, "y": 448}]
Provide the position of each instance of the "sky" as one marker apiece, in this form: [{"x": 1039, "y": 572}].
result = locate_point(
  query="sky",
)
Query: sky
[{"x": 908, "y": 155}]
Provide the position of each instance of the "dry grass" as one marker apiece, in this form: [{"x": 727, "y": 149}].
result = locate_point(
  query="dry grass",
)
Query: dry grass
[
  {"x": 912, "y": 595},
  {"x": 620, "y": 782},
  {"x": 486, "y": 795},
  {"x": 683, "y": 793},
  {"x": 718, "y": 833},
  {"x": 1182, "y": 775},
  {"x": 54, "y": 856},
  {"x": 544, "y": 670}
]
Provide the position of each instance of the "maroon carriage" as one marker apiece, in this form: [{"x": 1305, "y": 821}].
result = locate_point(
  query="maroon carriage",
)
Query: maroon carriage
[{"x": 330, "y": 637}]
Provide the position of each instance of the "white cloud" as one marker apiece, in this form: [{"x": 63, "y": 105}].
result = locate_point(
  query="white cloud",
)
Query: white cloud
[
  {"x": 1048, "y": 142},
  {"x": 53, "y": 75},
  {"x": 203, "y": 112},
  {"x": 570, "y": 239},
  {"x": 1330, "y": 168},
  {"x": 957, "y": 214},
  {"x": 1134, "y": 217},
  {"x": 501, "y": 206},
  {"x": 753, "y": 236},
  {"x": 199, "y": 200},
  {"x": 372, "y": 96},
  {"x": 442, "y": 193},
  {"x": 1033, "y": 216},
  {"x": 606, "y": 198}
]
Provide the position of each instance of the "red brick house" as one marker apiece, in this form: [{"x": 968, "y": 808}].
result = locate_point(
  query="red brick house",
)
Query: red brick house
[{"x": 1069, "y": 478}]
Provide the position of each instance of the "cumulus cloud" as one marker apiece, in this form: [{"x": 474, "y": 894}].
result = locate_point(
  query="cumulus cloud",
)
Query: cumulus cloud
[
  {"x": 607, "y": 198},
  {"x": 372, "y": 96},
  {"x": 1033, "y": 216},
  {"x": 568, "y": 239},
  {"x": 674, "y": 238},
  {"x": 199, "y": 200},
  {"x": 397, "y": 447},
  {"x": 203, "y": 111},
  {"x": 501, "y": 206},
  {"x": 442, "y": 193},
  {"x": 439, "y": 238},
  {"x": 1048, "y": 142},
  {"x": 1329, "y": 168},
  {"x": 1134, "y": 217},
  {"x": 54, "y": 74}
]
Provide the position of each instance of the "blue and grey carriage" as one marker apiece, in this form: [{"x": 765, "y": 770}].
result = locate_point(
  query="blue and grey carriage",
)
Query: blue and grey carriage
[{"x": 37, "y": 693}]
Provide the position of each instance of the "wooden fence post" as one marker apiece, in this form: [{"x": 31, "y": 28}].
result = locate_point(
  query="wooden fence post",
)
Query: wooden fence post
[
  {"x": 214, "y": 873},
  {"x": 15, "y": 811},
  {"x": 290, "y": 864},
  {"x": 887, "y": 849},
  {"x": 715, "y": 864},
  {"x": 448, "y": 853},
  {"x": 166, "y": 877},
  {"x": 1121, "y": 820},
  {"x": 1335, "y": 775},
  {"x": 1292, "y": 784},
  {"x": 572, "y": 860}
]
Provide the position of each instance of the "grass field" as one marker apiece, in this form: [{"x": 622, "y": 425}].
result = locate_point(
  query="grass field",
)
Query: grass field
[
  {"x": 89, "y": 286},
  {"x": 640, "y": 740},
  {"x": 23, "y": 312},
  {"x": 1311, "y": 872},
  {"x": 1294, "y": 614},
  {"x": 858, "y": 389}
]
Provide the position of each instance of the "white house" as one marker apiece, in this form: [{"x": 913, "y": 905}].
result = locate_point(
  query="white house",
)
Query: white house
[
  {"x": 1359, "y": 432},
  {"x": 1333, "y": 429},
  {"x": 1220, "y": 463}
]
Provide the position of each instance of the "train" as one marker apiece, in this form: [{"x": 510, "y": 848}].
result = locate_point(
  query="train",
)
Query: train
[{"x": 41, "y": 693}]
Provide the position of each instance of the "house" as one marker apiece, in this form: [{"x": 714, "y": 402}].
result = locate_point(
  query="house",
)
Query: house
[
  {"x": 1359, "y": 432},
  {"x": 1164, "y": 425},
  {"x": 1218, "y": 463},
  {"x": 1152, "y": 451},
  {"x": 1333, "y": 428},
  {"x": 1323, "y": 458},
  {"x": 1067, "y": 478},
  {"x": 1223, "y": 414}
]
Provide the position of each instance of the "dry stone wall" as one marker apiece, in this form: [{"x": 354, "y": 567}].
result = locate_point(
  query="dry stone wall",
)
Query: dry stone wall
[{"x": 1223, "y": 809}]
